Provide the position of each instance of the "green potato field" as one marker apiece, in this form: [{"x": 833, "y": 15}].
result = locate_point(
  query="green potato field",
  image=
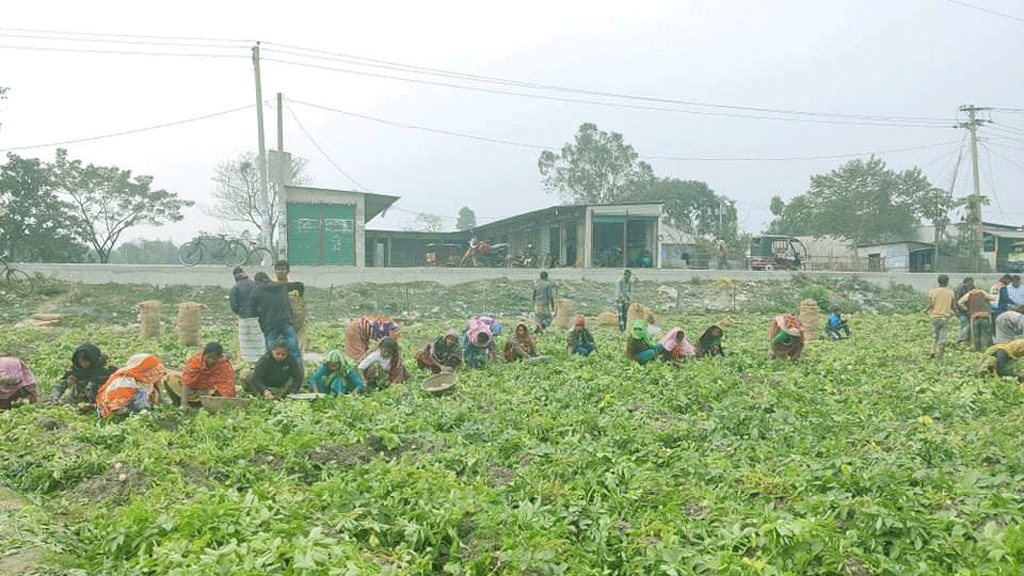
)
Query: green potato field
[{"x": 865, "y": 458}]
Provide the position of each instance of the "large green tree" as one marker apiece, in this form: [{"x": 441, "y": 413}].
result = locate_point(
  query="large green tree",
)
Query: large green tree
[
  {"x": 467, "y": 219},
  {"x": 864, "y": 202},
  {"x": 36, "y": 225},
  {"x": 108, "y": 200},
  {"x": 691, "y": 206},
  {"x": 597, "y": 168}
]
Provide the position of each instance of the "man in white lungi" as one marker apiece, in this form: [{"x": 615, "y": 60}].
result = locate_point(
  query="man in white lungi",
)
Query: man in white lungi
[{"x": 250, "y": 337}]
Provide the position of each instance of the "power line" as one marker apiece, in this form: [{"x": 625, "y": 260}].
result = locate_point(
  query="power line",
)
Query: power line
[
  {"x": 1007, "y": 159},
  {"x": 991, "y": 176},
  {"x": 127, "y": 132},
  {"x": 990, "y": 11},
  {"x": 541, "y": 147},
  {"x": 598, "y": 102},
  {"x": 121, "y": 52},
  {"x": 371, "y": 62},
  {"x": 140, "y": 36},
  {"x": 322, "y": 151},
  {"x": 173, "y": 43}
]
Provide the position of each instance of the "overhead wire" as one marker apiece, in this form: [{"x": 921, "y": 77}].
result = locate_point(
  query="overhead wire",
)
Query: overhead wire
[
  {"x": 989, "y": 10},
  {"x": 371, "y": 62},
  {"x": 120, "y": 35},
  {"x": 456, "y": 134},
  {"x": 322, "y": 151},
  {"x": 991, "y": 176},
  {"x": 172, "y": 43},
  {"x": 120, "y": 52},
  {"x": 127, "y": 132},
  {"x": 602, "y": 103}
]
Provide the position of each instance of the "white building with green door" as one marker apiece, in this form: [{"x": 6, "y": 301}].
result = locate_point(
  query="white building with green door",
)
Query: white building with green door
[{"x": 328, "y": 227}]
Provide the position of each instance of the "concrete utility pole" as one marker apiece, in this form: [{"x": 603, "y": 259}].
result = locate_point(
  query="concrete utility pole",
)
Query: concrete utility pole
[
  {"x": 974, "y": 201},
  {"x": 264, "y": 192}
]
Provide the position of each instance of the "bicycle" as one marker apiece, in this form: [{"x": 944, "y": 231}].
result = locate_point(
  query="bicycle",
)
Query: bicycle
[
  {"x": 230, "y": 251},
  {"x": 18, "y": 280}
]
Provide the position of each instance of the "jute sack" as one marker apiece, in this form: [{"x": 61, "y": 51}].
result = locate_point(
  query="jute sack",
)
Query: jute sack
[
  {"x": 563, "y": 313},
  {"x": 638, "y": 311},
  {"x": 149, "y": 318},
  {"x": 188, "y": 323},
  {"x": 607, "y": 319},
  {"x": 809, "y": 317}
]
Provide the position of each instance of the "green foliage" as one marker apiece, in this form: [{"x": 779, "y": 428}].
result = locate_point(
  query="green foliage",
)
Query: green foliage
[
  {"x": 834, "y": 465},
  {"x": 863, "y": 202},
  {"x": 36, "y": 225},
  {"x": 692, "y": 207},
  {"x": 598, "y": 168},
  {"x": 819, "y": 294},
  {"x": 467, "y": 219},
  {"x": 107, "y": 201}
]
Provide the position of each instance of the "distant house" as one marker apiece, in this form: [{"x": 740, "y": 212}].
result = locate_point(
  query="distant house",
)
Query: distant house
[
  {"x": 916, "y": 253},
  {"x": 590, "y": 235}
]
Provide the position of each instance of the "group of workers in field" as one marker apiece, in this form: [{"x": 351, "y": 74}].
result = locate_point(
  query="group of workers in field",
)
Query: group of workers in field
[{"x": 271, "y": 339}]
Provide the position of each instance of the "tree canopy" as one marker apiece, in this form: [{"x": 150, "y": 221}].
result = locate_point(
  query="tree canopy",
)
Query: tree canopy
[
  {"x": 35, "y": 223},
  {"x": 467, "y": 219},
  {"x": 691, "y": 206},
  {"x": 862, "y": 202},
  {"x": 597, "y": 168},
  {"x": 107, "y": 200}
]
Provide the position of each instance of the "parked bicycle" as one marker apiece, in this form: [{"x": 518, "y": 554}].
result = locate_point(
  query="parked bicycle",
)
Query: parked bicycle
[
  {"x": 230, "y": 251},
  {"x": 17, "y": 280}
]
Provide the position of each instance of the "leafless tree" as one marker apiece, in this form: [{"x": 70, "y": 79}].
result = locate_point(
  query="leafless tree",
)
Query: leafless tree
[{"x": 238, "y": 192}]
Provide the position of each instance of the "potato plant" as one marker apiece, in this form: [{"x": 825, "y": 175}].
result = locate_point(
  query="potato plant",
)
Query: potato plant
[{"x": 864, "y": 458}]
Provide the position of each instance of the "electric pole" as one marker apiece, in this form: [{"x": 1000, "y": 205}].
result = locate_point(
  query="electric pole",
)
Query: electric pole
[
  {"x": 974, "y": 200},
  {"x": 264, "y": 192}
]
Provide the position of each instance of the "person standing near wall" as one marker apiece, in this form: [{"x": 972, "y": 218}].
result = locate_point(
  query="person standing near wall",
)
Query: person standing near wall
[
  {"x": 624, "y": 297},
  {"x": 250, "y": 337},
  {"x": 296, "y": 296},
  {"x": 543, "y": 302}
]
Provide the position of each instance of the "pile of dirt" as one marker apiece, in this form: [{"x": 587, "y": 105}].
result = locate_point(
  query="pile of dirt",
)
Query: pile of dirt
[{"x": 115, "y": 486}]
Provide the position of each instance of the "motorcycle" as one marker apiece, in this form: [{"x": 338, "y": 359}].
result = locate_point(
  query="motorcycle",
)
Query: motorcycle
[
  {"x": 485, "y": 254},
  {"x": 525, "y": 259}
]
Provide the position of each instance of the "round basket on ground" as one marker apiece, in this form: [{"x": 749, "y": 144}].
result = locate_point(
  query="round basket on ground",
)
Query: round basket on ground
[{"x": 440, "y": 383}]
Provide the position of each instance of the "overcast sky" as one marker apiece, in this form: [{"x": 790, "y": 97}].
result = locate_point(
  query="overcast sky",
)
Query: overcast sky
[{"x": 918, "y": 60}]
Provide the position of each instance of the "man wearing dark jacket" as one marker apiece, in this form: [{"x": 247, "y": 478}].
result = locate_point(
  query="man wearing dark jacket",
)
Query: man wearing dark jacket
[
  {"x": 276, "y": 375},
  {"x": 250, "y": 337},
  {"x": 270, "y": 304}
]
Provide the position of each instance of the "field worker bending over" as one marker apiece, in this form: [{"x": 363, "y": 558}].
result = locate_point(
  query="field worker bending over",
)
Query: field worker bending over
[
  {"x": 443, "y": 353},
  {"x": 336, "y": 376},
  {"x": 1003, "y": 359},
  {"x": 477, "y": 341},
  {"x": 1010, "y": 326},
  {"x": 543, "y": 302},
  {"x": 131, "y": 389},
  {"x": 276, "y": 374},
  {"x": 787, "y": 337},
  {"x": 710, "y": 342},
  {"x": 88, "y": 371},
  {"x": 639, "y": 346},
  {"x": 207, "y": 372},
  {"x": 365, "y": 329},
  {"x": 270, "y": 303},
  {"x": 579, "y": 340},
  {"x": 520, "y": 345},
  {"x": 676, "y": 347},
  {"x": 383, "y": 366},
  {"x": 16, "y": 382},
  {"x": 250, "y": 337}
]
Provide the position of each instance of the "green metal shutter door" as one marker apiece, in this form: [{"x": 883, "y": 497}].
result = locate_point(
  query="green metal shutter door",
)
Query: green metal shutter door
[
  {"x": 339, "y": 235},
  {"x": 304, "y": 231}
]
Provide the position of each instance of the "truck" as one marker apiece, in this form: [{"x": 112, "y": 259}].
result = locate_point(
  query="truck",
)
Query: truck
[{"x": 776, "y": 253}]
